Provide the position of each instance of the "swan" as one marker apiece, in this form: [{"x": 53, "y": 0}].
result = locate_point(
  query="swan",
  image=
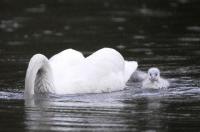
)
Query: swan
[
  {"x": 69, "y": 72},
  {"x": 154, "y": 81}
]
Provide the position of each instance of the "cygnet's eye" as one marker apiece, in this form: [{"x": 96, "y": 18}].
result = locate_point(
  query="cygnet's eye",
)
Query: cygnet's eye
[
  {"x": 150, "y": 74},
  {"x": 156, "y": 74}
]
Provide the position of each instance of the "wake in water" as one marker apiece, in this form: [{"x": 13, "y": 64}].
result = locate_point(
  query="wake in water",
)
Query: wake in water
[{"x": 178, "y": 88}]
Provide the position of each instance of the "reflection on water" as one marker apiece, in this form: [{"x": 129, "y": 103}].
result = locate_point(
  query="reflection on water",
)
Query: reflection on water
[{"x": 154, "y": 33}]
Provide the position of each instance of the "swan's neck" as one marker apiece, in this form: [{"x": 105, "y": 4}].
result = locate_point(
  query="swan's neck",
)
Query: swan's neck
[{"x": 38, "y": 76}]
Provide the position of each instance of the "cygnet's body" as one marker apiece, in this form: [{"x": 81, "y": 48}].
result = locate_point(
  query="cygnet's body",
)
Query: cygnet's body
[{"x": 154, "y": 81}]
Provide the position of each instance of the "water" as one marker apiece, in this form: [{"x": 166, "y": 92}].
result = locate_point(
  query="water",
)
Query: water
[{"x": 165, "y": 34}]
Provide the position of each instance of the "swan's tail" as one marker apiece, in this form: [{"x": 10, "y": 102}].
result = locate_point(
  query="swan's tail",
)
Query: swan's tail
[
  {"x": 130, "y": 68},
  {"x": 38, "y": 76}
]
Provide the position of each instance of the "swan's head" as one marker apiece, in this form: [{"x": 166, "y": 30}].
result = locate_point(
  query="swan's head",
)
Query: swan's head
[{"x": 153, "y": 74}]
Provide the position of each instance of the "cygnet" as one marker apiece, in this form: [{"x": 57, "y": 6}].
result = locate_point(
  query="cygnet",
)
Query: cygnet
[{"x": 154, "y": 81}]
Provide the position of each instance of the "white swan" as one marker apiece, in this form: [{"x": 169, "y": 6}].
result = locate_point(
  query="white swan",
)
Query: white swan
[
  {"x": 69, "y": 72},
  {"x": 153, "y": 80}
]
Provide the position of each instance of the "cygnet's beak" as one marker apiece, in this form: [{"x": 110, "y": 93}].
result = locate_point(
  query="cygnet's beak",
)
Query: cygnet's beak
[{"x": 153, "y": 78}]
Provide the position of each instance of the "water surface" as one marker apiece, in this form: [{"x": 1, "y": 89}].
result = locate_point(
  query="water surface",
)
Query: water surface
[{"x": 165, "y": 34}]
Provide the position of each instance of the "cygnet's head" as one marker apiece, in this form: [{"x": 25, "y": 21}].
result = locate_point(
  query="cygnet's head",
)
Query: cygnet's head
[{"x": 153, "y": 74}]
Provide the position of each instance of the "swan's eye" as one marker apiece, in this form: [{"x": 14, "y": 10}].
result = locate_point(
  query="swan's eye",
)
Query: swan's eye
[
  {"x": 150, "y": 74},
  {"x": 156, "y": 74}
]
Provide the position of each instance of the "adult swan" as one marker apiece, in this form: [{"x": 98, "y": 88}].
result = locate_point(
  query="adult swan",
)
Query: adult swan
[{"x": 68, "y": 72}]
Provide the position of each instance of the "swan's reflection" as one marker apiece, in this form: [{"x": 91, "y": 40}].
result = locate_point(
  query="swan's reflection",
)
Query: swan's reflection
[
  {"x": 38, "y": 114},
  {"x": 112, "y": 111},
  {"x": 132, "y": 109},
  {"x": 44, "y": 113}
]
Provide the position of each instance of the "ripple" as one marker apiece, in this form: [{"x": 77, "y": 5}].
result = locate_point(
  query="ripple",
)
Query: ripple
[
  {"x": 10, "y": 95},
  {"x": 193, "y": 28},
  {"x": 67, "y": 27},
  {"x": 9, "y": 25},
  {"x": 179, "y": 87},
  {"x": 121, "y": 47},
  {"x": 153, "y": 34},
  {"x": 48, "y": 32},
  {"x": 120, "y": 28},
  {"x": 38, "y": 9},
  {"x": 139, "y": 37},
  {"x": 118, "y": 19},
  {"x": 183, "y": 1},
  {"x": 138, "y": 50},
  {"x": 59, "y": 34},
  {"x": 189, "y": 39},
  {"x": 15, "y": 43},
  {"x": 155, "y": 13}
]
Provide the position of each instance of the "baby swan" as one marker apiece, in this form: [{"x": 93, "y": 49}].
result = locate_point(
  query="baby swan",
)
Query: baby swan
[{"x": 154, "y": 81}]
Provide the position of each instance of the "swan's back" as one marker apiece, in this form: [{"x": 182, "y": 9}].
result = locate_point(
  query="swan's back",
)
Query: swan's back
[
  {"x": 68, "y": 57},
  {"x": 103, "y": 71},
  {"x": 104, "y": 60},
  {"x": 61, "y": 62},
  {"x": 106, "y": 69},
  {"x": 69, "y": 72}
]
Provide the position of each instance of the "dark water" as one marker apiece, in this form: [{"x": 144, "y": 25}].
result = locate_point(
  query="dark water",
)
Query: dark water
[{"x": 165, "y": 34}]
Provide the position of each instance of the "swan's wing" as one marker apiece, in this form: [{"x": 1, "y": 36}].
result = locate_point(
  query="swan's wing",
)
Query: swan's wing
[
  {"x": 130, "y": 68},
  {"x": 110, "y": 62},
  {"x": 106, "y": 60},
  {"x": 105, "y": 69},
  {"x": 62, "y": 61}
]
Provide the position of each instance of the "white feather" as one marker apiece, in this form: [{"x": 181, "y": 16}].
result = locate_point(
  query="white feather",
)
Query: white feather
[
  {"x": 61, "y": 62},
  {"x": 70, "y": 73},
  {"x": 161, "y": 83},
  {"x": 38, "y": 76},
  {"x": 153, "y": 80},
  {"x": 130, "y": 67}
]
